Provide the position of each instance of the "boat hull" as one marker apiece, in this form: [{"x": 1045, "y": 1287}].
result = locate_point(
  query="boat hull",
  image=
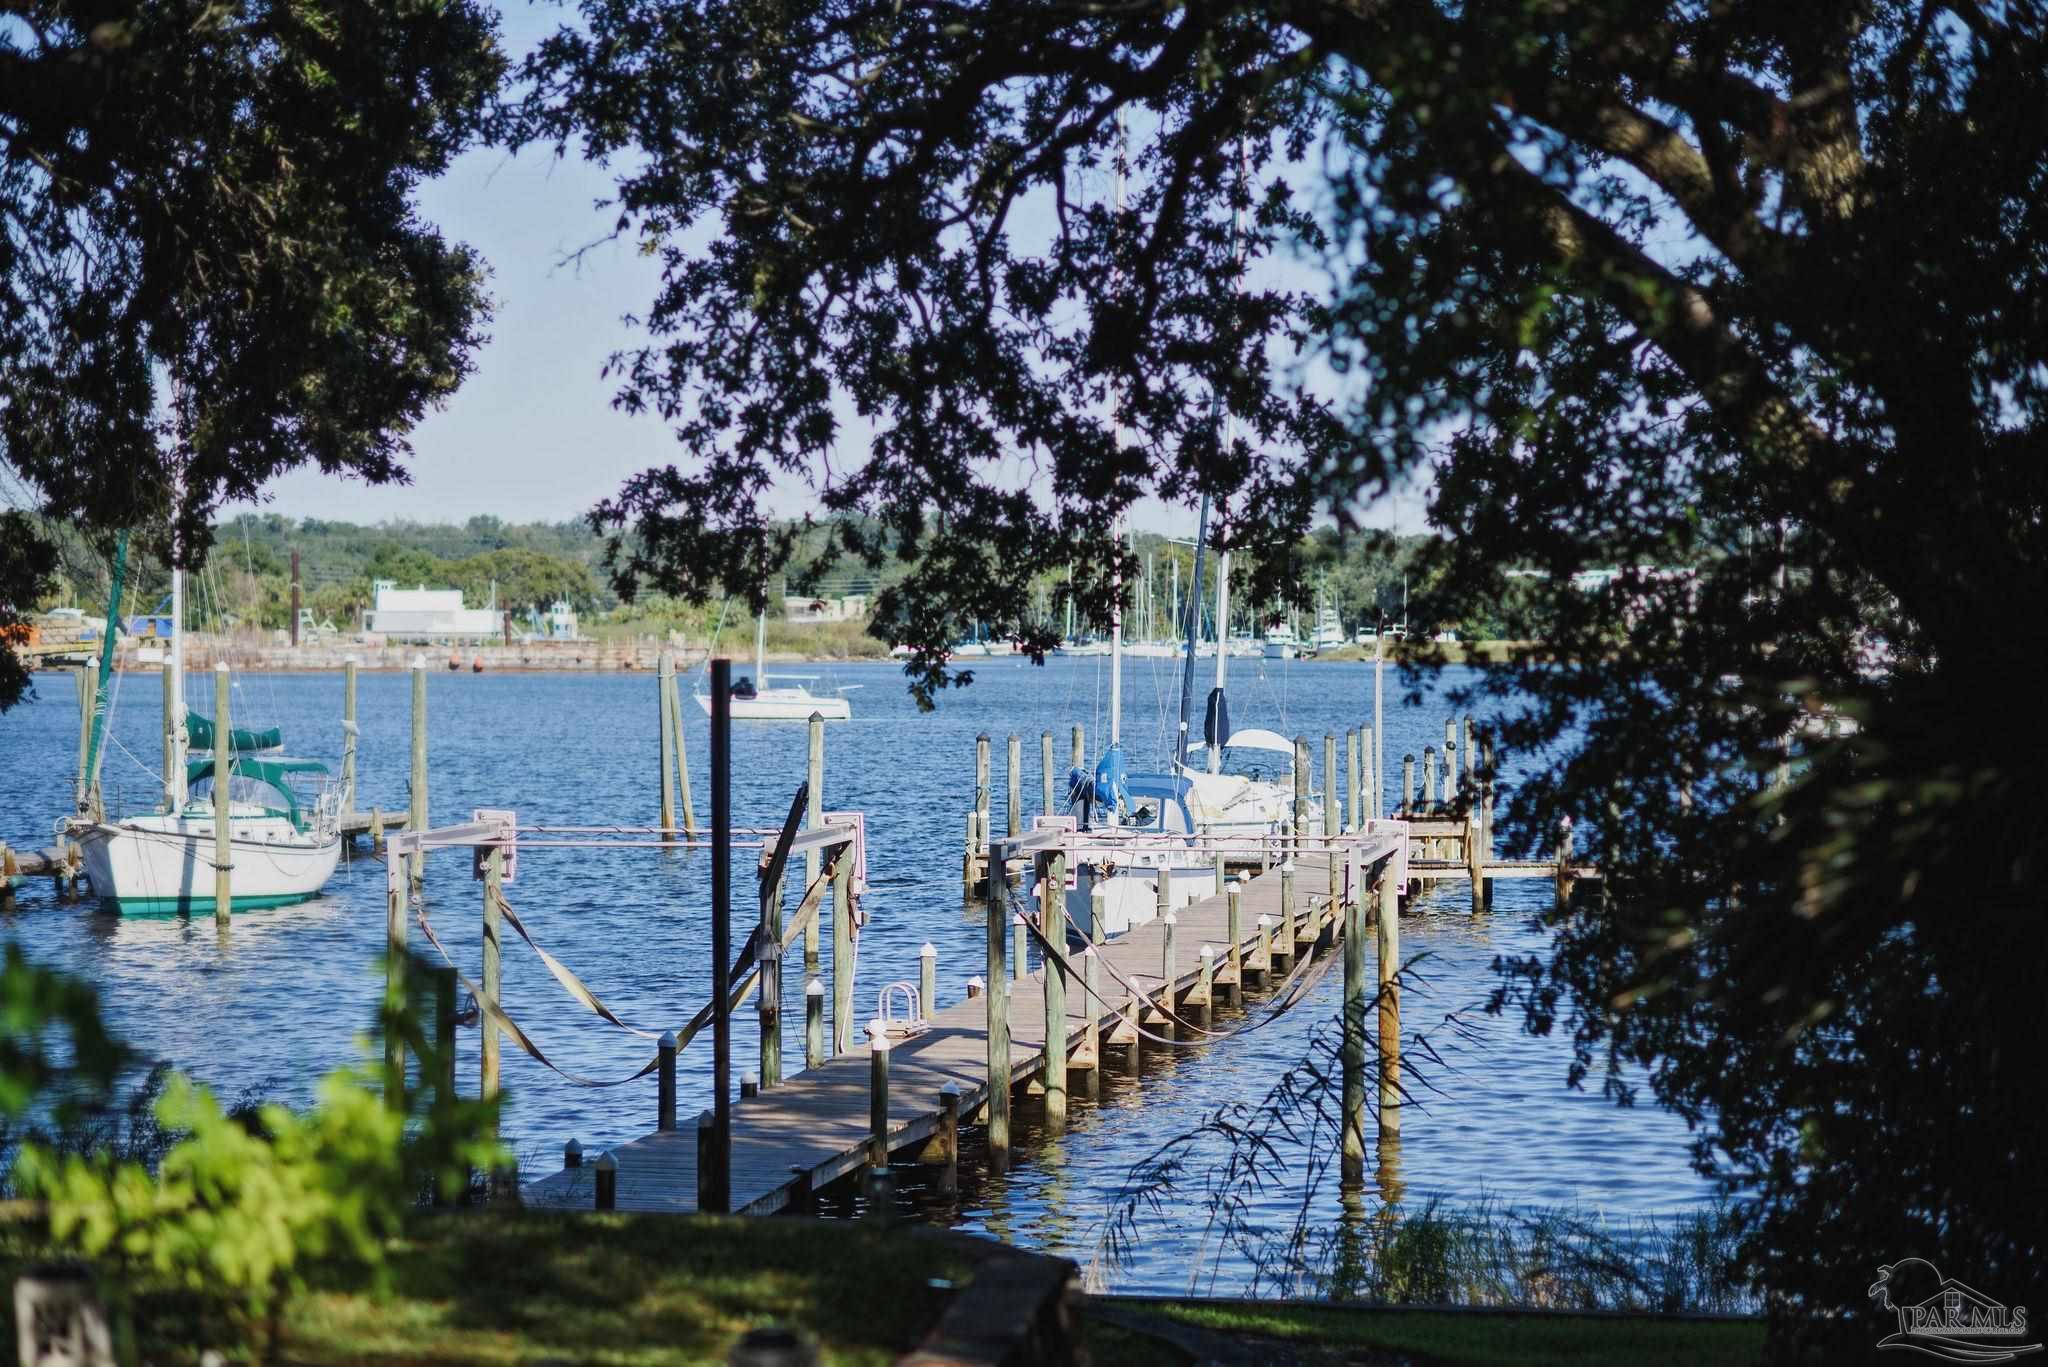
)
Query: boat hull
[
  {"x": 766, "y": 707},
  {"x": 161, "y": 866}
]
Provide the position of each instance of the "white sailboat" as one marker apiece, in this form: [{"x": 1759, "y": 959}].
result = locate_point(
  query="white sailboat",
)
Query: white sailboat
[
  {"x": 284, "y": 833},
  {"x": 753, "y": 699}
]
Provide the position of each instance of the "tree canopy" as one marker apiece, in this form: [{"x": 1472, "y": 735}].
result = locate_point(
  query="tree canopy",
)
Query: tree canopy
[
  {"x": 211, "y": 270},
  {"x": 1754, "y": 287}
]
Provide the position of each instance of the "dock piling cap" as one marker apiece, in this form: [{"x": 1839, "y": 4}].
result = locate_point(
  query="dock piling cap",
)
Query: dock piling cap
[
  {"x": 1208, "y": 951},
  {"x": 878, "y": 1035},
  {"x": 1265, "y": 921},
  {"x": 607, "y": 1163},
  {"x": 706, "y": 1119},
  {"x": 667, "y": 1040},
  {"x": 930, "y": 951},
  {"x": 815, "y": 988}
]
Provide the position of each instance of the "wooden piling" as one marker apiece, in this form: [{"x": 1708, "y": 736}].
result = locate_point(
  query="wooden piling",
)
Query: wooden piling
[
  {"x": 1262, "y": 958},
  {"x": 1016, "y": 755},
  {"x": 1055, "y": 997},
  {"x": 975, "y": 987},
  {"x": 1429, "y": 778},
  {"x": 1162, "y": 893},
  {"x": 417, "y": 817},
  {"x": 1301, "y": 792},
  {"x": 814, "y": 1023},
  {"x": 682, "y": 738},
  {"x": 1352, "y": 1140},
  {"x": 350, "y": 734},
  {"x": 927, "y": 979},
  {"x": 711, "y": 1187},
  {"x": 1353, "y": 813},
  {"x": 1205, "y": 985},
  {"x": 1018, "y": 961},
  {"x": 1407, "y": 786},
  {"x": 1222, "y": 876},
  {"x": 1487, "y": 779},
  {"x": 395, "y": 990},
  {"x": 376, "y": 830},
  {"x": 1091, "y": 1030},
  {"x": 998, "y": 997},
  {"x": 1169, "y": 972},
  {"x": 1564, "y": 862},
  {"x": 1372, "y": 774},
  {"x": 768, "y": 996},
  {"x": 814, "y": 817},
  {"x": 1283, "y": 939},
  {"x": 1450, "y": 761},
  {"x": 1472, "y": 757},
  {"x": 607, "y": 1184},
  {"x": 1098, "y": 906},
  {"x": 1390, "y": 1007},
  {"x": 1134, "y": 1016},
  {"x": 1333, "y": 819},
  {"x": 491, "y": 986},
  {"x": 750, "y": 1085},
  {"x": 878, "y": 1095},
  {"x": 1045, "y": 777},
  {"x": 977, "y": 853},
  {"x": 1079, "y": 749},
  {"x": 946, "y": 1142},
  {"x": 665, "y": 1082},
  {"x": 572, "y": 1154},
  {"x": 664, "y": 680},
  {"x": 842, "y": 949},
  {"x": 223, "y": 768},
  {"x": 1235, "y": 929}
]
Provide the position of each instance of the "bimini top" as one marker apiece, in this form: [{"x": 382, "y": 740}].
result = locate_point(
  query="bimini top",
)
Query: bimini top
[
  {"x": 274, "y": 774},
  {"x": 1253, "y": 738}
]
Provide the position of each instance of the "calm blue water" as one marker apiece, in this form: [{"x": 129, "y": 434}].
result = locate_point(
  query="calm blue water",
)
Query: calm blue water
[{"x": 284, "y": 997}]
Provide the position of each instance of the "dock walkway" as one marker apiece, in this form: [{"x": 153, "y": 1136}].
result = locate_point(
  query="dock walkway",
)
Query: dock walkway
[{"x": 795, "y": 1138}]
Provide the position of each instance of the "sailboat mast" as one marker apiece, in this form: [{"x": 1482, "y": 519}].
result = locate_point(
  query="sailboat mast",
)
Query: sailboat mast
[
  {"x": 174, "y": 684},
  {"x": 761, "y": 649},
  {"x": 1222, "y": 632}
]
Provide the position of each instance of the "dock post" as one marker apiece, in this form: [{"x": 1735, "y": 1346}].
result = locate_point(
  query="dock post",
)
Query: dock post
[
  {"x": 814, "y": 1023},
  {"x": 572, "y": 1155},
  {"x": 1235, "y": 929},
  {"x": 1450, "y": 761},
  {"x": 1098, "y": 906},
  {"x": 665, "y": 1083},
  {"x": 664, "y": 680},
  {"x": 947, "y": 1141},
  {"x": 1016, "y": 788},
  {"x": 1428, "y": 778},
  {"x": 394, "y": 983},
  {"x": 1353, "y": 1119},
  {"x": 1301, "y": 794},
  {"x": 1222, "y": 875},
  {"x": 1262, "y": 960},
  {"x": 997, "y": 995},
  {"x": 1473, "y": 759},
  {"x": 349, "y": 735},
  {"x": 1163, "y": 893},
  {"x": 1283, "y": 939},
  {"x": 1333, "y": 822},
  {"x": 1390, "y": 1008},
  {"x": 223, "y": 769},
  {"x": 1055, "y": 998},
  {"x": 607, "y": 1185},
  {"x": 975, "y": 987},
  {"x": 675, "y": 716},
  {"x": 417, "y": 816},
  {"x": 1370, "y": 808},
  {"x": 444, "y": 1029},
  {"x": 1045, "y": 764},
  {"x": 814, "y": 817},
  {"x": 928, "y": 979},
  {"x": 1017, "y": 956},
  {"x": 492, "y": 984},
  {"x": 1078, "y": 751},
  {"x": 711, "y": 1189},
  {"x": 1091, "y": 1033},
  {"x": 1486, "y": 784},
  {"x": 878, "y": 1095},
  {"x": 842, "y": 949},
  {"x": 750, "y": 1085},
  {"x": 1206, "y": 961},
  {"x": 1407, "y": 786},
  {"x": 1564, "y": 862},
  {"x": 1169, "y": 972},
  {"x": 376, "y": 830},
  {"x": 768, "y": 968},
  {"x": 1353, "y": 814},
  {"x": 1134, "y": 1017},
  {"x": 978, "y": 830}
]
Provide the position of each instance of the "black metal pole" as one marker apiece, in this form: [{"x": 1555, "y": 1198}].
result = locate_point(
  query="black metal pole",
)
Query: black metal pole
[
  {"x": 719, "y": 1191},
  {"x": 1194, "y": 629}
]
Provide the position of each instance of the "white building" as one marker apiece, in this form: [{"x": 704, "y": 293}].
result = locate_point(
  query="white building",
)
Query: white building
[{"x": 425, "y": 614}]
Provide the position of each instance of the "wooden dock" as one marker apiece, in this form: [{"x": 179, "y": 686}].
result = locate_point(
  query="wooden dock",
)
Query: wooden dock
[{"x": 790, "y": 1141}]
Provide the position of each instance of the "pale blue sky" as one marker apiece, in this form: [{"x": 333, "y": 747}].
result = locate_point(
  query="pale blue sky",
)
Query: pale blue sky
[{"x": 533, "y": 435}]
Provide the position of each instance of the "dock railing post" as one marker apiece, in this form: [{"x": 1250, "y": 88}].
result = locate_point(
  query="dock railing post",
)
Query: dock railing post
[
  {"x": 878, "y": 1094},
  {"x": 768, "y": 967},
  {"x": 1487, "y": 779},
  {"x": 492, "y": 984},
  {"x": 1045, "y": 764},
  {"x": 1301, "y": 793},
  {"x": 711, "y": 1188},
  {"x": 606, "y": 1188},
  {"x": 814, "y": 817},
  {"x": 223, "y": 770},
  {"x": 1371, "y": 807},
  {"x": 417, "y": 807},
  {"x": 1353, "y": 1120},
  {"x": 814, "y": 1023},
  {"x": 1169, "y": 970},
  {"x": 1450, "y": 762},
  {"x": 1091, "y": 1033},
  {"x": 978, "y": 835},
  {"x": 1262, "y": 960},
  {"x": 714, "y": 1181},
  {"x": 1475, "y": 848},
  {"x": 997, "y": 996},
  {"x": 376, "y": 830},
  {"x": 1473, "y": 760},
  {"x": 1390, "y": 1006},
  {"x": 664, "y": 680},
  {"x": 1054, "y": 891},
  {"x": 1205, "y": 960},
  {"x": 928, "y": 979},
  {"x": 1333, "y": 821},
  {"x": 1283, "y": 939},
  {"x": 1407, "y": 787},
  {"x": 1429, "y": 778},
  {"x": 665, "y": 1083},
  {"x": 349, "y": 735},
  {"x": 1018, "y": 961}
]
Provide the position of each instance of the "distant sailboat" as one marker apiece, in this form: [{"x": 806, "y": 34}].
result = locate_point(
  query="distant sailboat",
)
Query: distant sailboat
[{"x": 753, "y": 700}]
